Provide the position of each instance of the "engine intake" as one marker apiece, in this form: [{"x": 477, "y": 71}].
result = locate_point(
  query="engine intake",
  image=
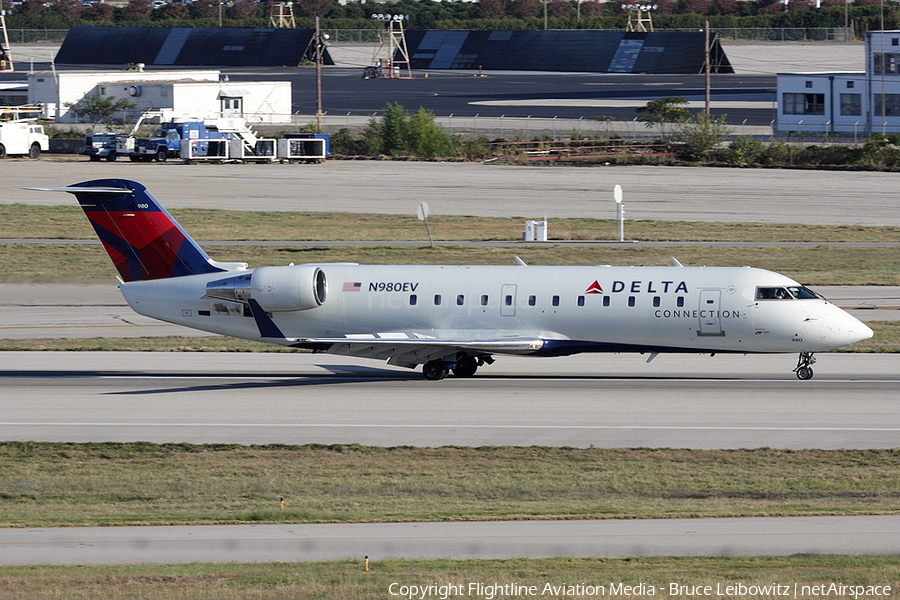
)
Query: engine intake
[{"x": 277, "y": 289}]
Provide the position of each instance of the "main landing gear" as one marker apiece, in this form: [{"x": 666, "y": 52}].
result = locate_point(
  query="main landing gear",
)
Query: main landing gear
[
  {"x": 804, "y": 370},
  {"x": 465, "y": 366}
]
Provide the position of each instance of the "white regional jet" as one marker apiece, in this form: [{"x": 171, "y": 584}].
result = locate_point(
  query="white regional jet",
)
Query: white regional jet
[{"x": 455, "y": 318}]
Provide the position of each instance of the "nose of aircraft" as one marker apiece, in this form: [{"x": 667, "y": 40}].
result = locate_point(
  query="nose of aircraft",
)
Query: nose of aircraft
[{"x": 857, "y": 331}]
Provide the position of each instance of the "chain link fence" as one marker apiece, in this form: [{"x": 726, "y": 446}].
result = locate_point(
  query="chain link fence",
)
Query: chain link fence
[{"x": 32, "y": 36}]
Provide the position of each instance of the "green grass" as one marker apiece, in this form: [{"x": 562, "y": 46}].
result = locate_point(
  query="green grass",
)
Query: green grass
[
  {"x": 347, "y": 579},
  {"x": 822, "y": 265},
  {"x": 18, "y": 221},
  {"x": 52, "y": 484}
]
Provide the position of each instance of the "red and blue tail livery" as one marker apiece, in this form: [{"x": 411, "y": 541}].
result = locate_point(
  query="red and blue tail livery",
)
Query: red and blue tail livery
[{"x": 141, "y": 237}]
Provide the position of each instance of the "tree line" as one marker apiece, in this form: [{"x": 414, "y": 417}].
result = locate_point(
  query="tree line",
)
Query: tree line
[{"x": 428, "y": 14}]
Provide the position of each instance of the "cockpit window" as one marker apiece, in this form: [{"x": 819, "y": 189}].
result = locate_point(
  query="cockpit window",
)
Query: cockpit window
[
  {"x": 785, "y": 293},
  {"x": 802, "y": 293}
]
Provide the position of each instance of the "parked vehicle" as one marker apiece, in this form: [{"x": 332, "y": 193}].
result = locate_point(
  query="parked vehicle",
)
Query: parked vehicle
[
  {"x": 23, "y": 136},
  {"x": 100, "y": 145},
  {"x": 198, "y": 130}
]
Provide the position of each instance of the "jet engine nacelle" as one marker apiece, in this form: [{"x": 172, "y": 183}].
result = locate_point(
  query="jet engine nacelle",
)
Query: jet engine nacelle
[
  {"x": 288, "y": 288},
  {"x": 277, "y": 289}
]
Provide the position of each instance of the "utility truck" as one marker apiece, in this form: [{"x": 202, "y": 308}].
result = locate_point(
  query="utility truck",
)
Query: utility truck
[{"x": 22, "y": 136}]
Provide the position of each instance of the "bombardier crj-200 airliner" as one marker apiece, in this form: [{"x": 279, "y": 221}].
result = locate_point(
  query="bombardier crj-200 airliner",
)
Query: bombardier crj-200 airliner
[{"x": 455, "y": 318}]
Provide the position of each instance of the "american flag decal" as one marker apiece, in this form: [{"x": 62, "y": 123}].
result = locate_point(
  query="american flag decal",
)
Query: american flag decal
[{"x": 352, "y": 286}]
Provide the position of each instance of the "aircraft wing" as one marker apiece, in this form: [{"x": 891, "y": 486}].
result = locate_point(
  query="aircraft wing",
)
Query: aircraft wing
[
  {"x": 407, "y": 351},
  {"x": 411, "y": 352}
]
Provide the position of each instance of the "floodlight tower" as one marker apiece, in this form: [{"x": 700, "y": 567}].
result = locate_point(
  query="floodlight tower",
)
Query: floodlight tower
[
  {"x": 281, "y": 14},
  {"x": 396, "y": 40},
  {"x": 642, "y": 16}
]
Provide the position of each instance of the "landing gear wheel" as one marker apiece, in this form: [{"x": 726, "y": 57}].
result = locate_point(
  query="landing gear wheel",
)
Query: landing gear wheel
[
  {"x": 435, "y": 370},
  {"x": 803, "y": 369},
  {"x": 466, "y": 367}
]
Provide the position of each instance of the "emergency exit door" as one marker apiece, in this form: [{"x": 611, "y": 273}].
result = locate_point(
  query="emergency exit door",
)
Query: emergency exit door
[
  {"x": 508, "y": 300},
  {"x": 710, "y": 315}
]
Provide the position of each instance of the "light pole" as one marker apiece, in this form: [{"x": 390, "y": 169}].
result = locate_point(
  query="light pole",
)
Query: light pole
[{"x": 319, "y": 115}]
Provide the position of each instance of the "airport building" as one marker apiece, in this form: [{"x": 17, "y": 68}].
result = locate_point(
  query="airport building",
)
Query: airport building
[
  {"x": 192, "y": 91},
  {"x": 861, "y": 102}
]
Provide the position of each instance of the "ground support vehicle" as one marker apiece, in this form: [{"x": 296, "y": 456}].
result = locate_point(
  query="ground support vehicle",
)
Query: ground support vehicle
[
  {"x": 166, "y": 141},
  {"x": 304, "y": 147},
  {"x": 203, "y": 132},
  {"x": 100, "y": 145},
  {"x": 23, "y": 136}
]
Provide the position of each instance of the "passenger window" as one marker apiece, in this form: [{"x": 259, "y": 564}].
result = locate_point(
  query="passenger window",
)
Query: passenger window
[
  {"x": 680, "y": 302},
  {"x": 532, "y": 300},
  {"x": 605, "y": 300},
  {"x": 508, "y": 300},
  {"x": 412, "y": 300},
  {"x": 460, "y": 300},
  {"x": 555, "y": 300},
  {"x": 484, "y": 300},
  {"x": 580, "y": 300},
  {"x": 655, "y": 301},
  {"x": 631, "y": 301},
  {"x": 437, "y": 299}
]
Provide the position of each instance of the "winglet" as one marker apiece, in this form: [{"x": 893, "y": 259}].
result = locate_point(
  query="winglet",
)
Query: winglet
[
  {"x": 267, "y": 327},
  {"x": 675, "y": 262}
]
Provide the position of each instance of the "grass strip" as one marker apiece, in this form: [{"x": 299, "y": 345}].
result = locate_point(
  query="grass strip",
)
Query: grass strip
[
  {"x": 347, "y": 579},
  {"x": 66, "y": 484},
  {"x": 886, "y": 340},
  {"x": 19, "y": 221},
  {"x": 822, "y": 265}
]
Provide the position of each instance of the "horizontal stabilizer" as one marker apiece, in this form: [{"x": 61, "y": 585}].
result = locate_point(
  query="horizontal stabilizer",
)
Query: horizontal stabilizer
[{"x": 79, "y": 190}]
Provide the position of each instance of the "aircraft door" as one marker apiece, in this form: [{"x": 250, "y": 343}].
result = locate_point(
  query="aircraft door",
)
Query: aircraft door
[
  {"x": 710, "y": 315},
  {"x": 508, "y": 300}
]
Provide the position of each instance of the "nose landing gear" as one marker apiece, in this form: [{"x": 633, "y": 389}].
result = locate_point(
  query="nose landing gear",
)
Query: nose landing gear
[{"x": 803, "y": 369}]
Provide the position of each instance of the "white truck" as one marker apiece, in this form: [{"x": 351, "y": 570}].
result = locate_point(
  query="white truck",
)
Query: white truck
[{"x": 23, "y": 136}]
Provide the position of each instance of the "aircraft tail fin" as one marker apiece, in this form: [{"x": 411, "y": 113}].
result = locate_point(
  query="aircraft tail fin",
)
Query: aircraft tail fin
[{"x": 140, "y": 236}]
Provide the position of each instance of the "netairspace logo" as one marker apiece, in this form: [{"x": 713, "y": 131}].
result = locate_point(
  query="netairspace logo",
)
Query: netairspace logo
[{"x": 492, "y": 591}]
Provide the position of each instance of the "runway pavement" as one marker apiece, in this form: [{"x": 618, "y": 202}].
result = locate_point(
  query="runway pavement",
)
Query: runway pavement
[
  {"x": 533, "y": 539},
  {"x": 391, "y": 187},
  {"x": 614, "y": 400}
]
